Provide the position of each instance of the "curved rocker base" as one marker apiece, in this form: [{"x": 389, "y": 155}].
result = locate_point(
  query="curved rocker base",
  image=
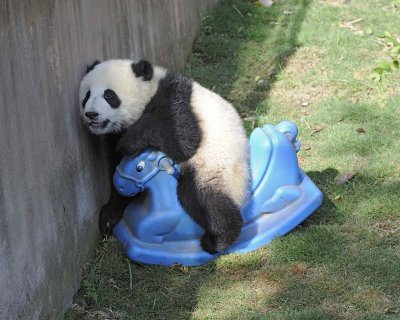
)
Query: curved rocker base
[{"x": 254, "y": 235}]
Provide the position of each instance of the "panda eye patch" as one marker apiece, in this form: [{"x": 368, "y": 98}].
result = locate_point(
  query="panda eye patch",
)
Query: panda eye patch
[
  {"x": 85, "y": 100},
  {"x": 111, "y": 97},
  {"x": 109, "y": 94}
]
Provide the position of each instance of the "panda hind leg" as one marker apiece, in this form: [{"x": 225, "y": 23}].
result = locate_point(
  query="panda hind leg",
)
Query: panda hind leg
[
  {"x": 215, "y": 212},
  {"x": 187, "y": 197},
  {"x": 224, "y": 221}
]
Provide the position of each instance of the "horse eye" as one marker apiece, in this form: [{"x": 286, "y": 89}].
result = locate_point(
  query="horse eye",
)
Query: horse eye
[
  {"x": 140, "y": 166},
  {"x": 108, "y": 94}
]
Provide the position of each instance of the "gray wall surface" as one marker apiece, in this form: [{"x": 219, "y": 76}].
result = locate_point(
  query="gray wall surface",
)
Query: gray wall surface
[{"x": 53, "y": 177}]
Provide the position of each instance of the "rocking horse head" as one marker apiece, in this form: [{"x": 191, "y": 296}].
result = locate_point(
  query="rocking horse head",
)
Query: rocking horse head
[{"x": 133, "y": 173}]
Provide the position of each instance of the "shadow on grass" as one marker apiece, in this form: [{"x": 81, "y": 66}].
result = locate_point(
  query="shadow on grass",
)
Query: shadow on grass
[
  {"x": 117, "y": 288},
  {"x": 243, "y": 48},
  {"x": 328, "y": 210}
]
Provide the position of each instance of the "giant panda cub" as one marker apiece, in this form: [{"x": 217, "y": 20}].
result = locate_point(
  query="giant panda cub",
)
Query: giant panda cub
[{"x": 137, "y": 105}]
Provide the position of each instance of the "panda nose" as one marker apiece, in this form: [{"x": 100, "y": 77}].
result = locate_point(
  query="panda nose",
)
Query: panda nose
[{"x": 91, "y": 115}]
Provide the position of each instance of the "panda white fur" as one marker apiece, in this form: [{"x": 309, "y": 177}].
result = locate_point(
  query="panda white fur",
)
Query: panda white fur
[{"x": 138, "y": 105}]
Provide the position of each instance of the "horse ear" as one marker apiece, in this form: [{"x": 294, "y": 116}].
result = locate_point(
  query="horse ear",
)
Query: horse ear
[
  {"x": 143, "y": 69},
  {"x": 164, "y": 164},
  {"x": 91, "y": 67}
]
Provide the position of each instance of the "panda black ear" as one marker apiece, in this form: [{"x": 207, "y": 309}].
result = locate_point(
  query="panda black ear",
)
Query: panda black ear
[
  {"x": 91, "y": 67},
  {"x": 143, "y": 69}
]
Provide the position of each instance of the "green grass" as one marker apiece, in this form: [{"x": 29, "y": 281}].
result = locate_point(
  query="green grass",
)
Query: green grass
[{"x": 344, "y": 261}]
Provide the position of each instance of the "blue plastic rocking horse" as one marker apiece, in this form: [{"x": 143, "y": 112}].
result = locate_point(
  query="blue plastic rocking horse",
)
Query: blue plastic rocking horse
[{"x": 155, "y": 228}]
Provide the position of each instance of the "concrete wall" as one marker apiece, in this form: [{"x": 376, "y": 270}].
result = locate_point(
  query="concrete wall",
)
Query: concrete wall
[{"x": 52, "y": 173}]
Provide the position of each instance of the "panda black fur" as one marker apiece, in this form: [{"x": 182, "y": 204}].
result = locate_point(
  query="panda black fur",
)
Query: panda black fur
[{"x": 138, "y": 105}]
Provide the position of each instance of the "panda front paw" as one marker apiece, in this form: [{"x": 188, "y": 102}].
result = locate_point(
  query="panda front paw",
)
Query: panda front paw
[
  {"x": 109, "y": 218},
  {"x": 213, "y": 243}
]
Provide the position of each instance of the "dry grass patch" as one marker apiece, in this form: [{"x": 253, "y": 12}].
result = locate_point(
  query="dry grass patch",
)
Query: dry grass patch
[
  {"x": 341, "y": 311},
  {"x": 298, "y": 270},
  {"x": 370, "y": 300},
  {"x": 82, "y": 314},
  {"x": 240, "y": 297},
  {"x": 335, "y": 2},
  {"x": 303, "y": 61},
  {"x": 305, "y": 80},
  {"x": 303, "y": 95}
]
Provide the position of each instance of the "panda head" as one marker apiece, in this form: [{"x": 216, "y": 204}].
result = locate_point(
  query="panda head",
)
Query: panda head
[{"x": 114, "y": 93}]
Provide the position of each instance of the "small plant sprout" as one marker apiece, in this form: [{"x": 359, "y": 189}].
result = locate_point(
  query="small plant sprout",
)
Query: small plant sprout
[{"x": 392, "y": 43}]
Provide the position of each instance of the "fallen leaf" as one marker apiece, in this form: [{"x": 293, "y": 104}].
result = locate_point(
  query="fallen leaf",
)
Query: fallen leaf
[
  {"x": 266, "y": 3},
  {"x": 338, "y": 197},
  {"x": 299, "y": 270},
  {"x": 369, "y": 31},
  {"x": 318, "y": 128},
  {"x": 360, "y": 130},
  {"x": 345, "y": 178},
  {"x": 180, "y": 268},
  {"x": 256, "y": 78}
]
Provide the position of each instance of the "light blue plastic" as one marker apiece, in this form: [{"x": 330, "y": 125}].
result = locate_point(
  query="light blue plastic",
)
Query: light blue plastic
[{"x": 156, "y": 230}]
